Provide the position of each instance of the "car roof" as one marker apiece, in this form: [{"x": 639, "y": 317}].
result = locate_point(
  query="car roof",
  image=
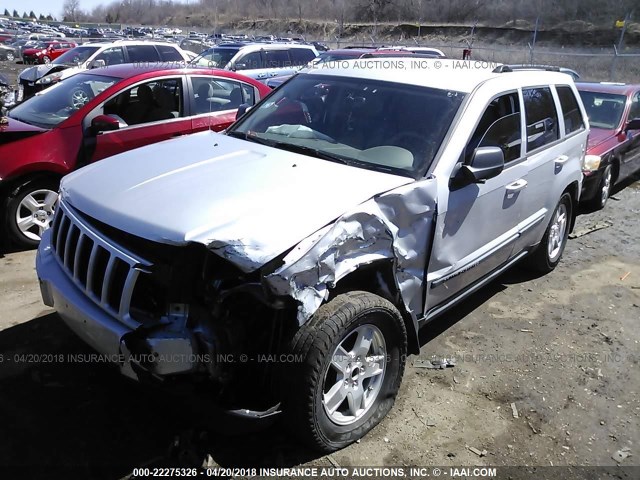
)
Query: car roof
[
  {"x": 127, "y": 42},
  {"x": 609, "y": 87},
  {"x": 446, "y": 74},
  {"x": 128, "y": 70}
]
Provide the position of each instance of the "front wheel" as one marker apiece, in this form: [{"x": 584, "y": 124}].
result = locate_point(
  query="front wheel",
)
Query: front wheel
[
  {"x": 604, "y": 189},
  {"x": 10, "y": 57},
  {"x": 351, "y": 358},
  {"x": 547, "y": 254},
  {"x": 29, "y": 212}
]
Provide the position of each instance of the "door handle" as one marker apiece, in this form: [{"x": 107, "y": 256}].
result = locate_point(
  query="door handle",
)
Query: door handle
[
  {"x": 516, "y": 186},
  {"x": 562, "y": 159}
]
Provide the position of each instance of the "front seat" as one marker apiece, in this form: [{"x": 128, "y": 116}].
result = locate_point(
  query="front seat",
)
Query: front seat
[{"x": 139, "y": 111}]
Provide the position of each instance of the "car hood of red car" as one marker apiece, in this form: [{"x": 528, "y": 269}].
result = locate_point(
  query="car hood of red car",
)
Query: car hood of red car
[
  {"x": 17, "y": 130},
  {"x": 597, "y": 136}
]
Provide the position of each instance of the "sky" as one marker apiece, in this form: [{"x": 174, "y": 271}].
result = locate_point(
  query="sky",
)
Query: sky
[{"x": 54, "y": 7}]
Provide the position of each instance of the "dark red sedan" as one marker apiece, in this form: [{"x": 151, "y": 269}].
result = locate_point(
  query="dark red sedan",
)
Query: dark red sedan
[
  {"x": 45, "y": 52},
  {"x": 613, "y": 152},
  {"x": 99, "y": 113}
]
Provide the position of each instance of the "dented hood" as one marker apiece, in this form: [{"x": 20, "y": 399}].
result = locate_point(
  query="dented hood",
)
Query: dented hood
[{"x": 247, "y": 202}]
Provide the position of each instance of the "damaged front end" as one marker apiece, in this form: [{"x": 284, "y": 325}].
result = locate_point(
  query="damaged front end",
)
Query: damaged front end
[
  {"x": 208, "y": 312},
  {"x": 166, "y": 313}
]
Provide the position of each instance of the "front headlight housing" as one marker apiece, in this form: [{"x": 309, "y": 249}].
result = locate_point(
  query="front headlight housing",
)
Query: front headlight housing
[
  {"x": 48, "y": 79},
  {"x": 591, "y": 162}
]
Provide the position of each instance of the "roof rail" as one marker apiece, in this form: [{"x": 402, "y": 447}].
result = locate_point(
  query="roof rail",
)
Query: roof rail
[{"x": 513, "y": 68}]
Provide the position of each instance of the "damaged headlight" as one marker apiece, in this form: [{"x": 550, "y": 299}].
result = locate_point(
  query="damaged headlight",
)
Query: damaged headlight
[
  {"x": 51, "y": 78},
  {"x": 591, "y": 163}
]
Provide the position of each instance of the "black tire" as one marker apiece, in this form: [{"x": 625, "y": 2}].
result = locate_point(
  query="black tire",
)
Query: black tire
[
  {"x": 10, "y": 57},
  {"x": 599, "y": 201},
  {"x": 314, "y": 345},
  {"x": 541, "y": 259},
  {"x": 14, "y": 207}
]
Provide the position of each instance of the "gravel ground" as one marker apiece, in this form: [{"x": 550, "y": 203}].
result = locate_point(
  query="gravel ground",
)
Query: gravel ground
[{"x": 562, "y": 350}]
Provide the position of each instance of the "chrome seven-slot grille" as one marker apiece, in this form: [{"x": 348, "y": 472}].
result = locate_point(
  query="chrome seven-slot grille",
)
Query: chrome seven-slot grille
[{"x": 105, "y": 271}]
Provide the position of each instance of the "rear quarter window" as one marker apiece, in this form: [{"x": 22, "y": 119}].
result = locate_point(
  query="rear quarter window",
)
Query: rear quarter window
[
  {"x": 570, "y": 110},
  {"x": 541, "y": 117}
]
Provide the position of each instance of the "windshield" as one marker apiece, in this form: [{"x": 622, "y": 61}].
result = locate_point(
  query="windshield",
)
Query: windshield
[
  {"x": 57, "y": 103},
  {"x": 75, "y": 56},
  {"x": 378, "y": 125},
  {"x": 215, "y": 57},
  {"x": 603, "y": 109}
]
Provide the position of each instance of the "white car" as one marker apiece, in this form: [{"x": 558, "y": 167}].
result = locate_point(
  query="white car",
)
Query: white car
[{"x": 92, "y": 55}]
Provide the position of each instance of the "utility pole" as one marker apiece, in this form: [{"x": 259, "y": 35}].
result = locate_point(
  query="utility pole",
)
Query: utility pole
[
  {"x": 533, "y": 43},
  {"x": 618, "y": 49}
]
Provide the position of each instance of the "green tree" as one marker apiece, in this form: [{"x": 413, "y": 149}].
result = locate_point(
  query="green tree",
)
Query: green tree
[
  {"x": 32, "y": 14},
  {"x": 15, "y": 14},
  {"x": 24, "y": 15},
  {"x": 6, "y": 13}
]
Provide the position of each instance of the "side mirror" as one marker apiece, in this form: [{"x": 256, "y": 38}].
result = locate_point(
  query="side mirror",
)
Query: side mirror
[
  {"x": 242, "y": 109},
  {"x": 632, "y": 125},
  {"x": 99, "y": 63},
  {"x": 486, "y": 163},
  {"x": 104, "y": 123}
]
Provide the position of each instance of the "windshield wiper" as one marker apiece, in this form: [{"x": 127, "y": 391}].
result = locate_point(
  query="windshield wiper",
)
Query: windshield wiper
[
  {"x": 251, "y": 138},
  {"x": 291, "y": 147}
]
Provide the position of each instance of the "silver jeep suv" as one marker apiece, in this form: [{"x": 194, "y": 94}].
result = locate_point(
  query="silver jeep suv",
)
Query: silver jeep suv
[{"x": 300, "y": 254}]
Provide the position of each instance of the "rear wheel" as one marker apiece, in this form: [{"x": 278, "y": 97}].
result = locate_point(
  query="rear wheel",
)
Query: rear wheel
[
  {"x": 547, "y": 254},
  {"x": 10, "y": 57},
  {"x": 351, "y": 358},
  {"x": 46, "y": 60},
  {"x": 29, "y": 212}
]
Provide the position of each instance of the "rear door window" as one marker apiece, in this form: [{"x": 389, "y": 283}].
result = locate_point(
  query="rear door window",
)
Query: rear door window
[
  {"x": 541, "y": 117},
  {"x": 169, "y": 53},
  {"x": 143, "y": 53},
  {"x": 570, "y": 110},
  {"x": 277, "y": 59},
  {"x": 301, "y": 56}
]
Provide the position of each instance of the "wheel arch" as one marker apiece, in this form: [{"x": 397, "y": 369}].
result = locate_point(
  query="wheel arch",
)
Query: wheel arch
[
  {"x": 378, "y": 278},
  {"x": 15, "y": 184},
  {"x": 573, "y": 189}
]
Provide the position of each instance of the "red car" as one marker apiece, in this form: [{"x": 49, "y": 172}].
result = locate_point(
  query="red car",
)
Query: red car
[
  {"x": 613, "y": 152},
  {"x": 44, "y": 52},
  {"x": 99, "y": 113}
]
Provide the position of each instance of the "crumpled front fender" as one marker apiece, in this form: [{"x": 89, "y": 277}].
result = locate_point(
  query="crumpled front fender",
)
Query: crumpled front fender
[{"x": 396, "y": 225}]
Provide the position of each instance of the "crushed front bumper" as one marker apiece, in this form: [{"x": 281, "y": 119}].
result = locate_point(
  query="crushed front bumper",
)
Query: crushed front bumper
[{"x": 139, "y": 352}]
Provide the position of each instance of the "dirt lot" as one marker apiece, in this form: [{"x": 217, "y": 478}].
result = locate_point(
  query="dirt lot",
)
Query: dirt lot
[{"x": 563, "y": 348}]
